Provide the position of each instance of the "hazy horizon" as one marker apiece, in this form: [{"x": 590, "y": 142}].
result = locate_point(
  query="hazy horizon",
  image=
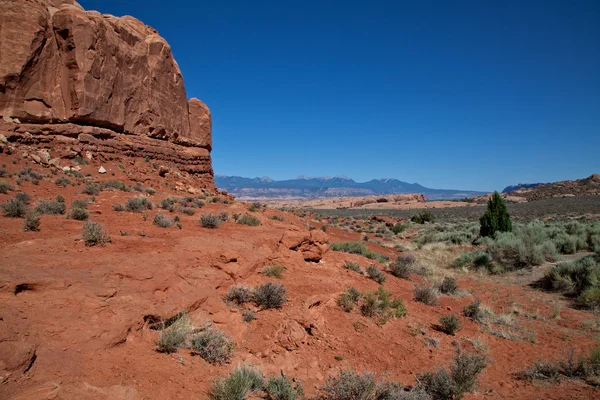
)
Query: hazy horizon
[{"x": 473, "y": 95}]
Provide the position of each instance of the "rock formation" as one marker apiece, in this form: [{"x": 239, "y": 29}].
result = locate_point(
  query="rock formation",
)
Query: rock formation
[{"x": 69, "y": 72}]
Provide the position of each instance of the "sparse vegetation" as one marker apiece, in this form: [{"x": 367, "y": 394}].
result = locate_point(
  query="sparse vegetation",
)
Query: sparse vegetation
[
  {"x": 31, "y": 223},
  {"x": 448, "y": 286},
  {"x": 62, "y": 181},
  {"x": 380, "y": 304},
  {"x": 238, "y": 295},
  {"x": 348, "y": 299},
  {"x": 426, "y": 295},
  {"x": 402, "y": 267},
  {"x": 247, "y": 219},
  {"x": 79, "y": 214},
  {"x": 423, "y": 217},
  {"x": 51, "y": 207},
  {"x": 274, "y": 271},
  {"x": 358, "y": 248},
  {"x": 213, "y": 345},
  {"x": 374, "y": 273},
  {"x": 209, "y": 221},
  {"x": 94, "y": 234},
  {"x": 450, "y": 324},
  {"x": 15, "y": 208},
  {"x": 138, "y": 204},
  {"x": 283, "y": 388},
  {"x": 241, "y": 382},
  {"x": 580, "y": 278},
  {"x": 162, "y": 221},
  {"x": 352, "y": 266},
  {"x": 175, "y": 334},
  {"x": 270, "y": 295},
  {"x": 5, "y": 187}
]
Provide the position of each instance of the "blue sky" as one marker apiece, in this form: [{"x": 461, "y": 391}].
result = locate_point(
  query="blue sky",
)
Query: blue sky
[{"x": 450, "y": 94}]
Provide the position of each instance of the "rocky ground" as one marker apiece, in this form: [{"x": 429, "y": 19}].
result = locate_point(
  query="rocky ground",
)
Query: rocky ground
[{"x": 79, "y": 321}]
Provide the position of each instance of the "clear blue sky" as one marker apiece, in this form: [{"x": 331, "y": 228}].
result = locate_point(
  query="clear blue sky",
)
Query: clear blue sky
[{"x": 450, "y": 94}]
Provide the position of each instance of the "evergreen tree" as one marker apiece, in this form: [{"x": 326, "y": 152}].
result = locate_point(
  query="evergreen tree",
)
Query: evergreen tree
[{"x": 496, "y": 218}]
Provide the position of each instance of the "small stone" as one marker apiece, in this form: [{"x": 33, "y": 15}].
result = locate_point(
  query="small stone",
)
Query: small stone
[
  {"x": 3, "y": 139},
  {"x": 102, "y": 170},
  {"x": 66, "y": 168},
  {"x": 36, "y": 158}
]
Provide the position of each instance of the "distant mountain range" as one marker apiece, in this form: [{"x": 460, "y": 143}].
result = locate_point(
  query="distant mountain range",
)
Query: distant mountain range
[{"x": 338, "y": 186}]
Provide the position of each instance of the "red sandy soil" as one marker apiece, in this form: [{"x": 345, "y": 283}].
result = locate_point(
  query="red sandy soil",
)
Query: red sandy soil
[{"x": 82, "y": 309}]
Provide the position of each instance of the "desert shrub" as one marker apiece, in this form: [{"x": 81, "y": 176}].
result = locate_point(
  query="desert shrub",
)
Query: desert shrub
[
  {"x": 274, "y": 271},
  {"x": 448, "y": 286},
  {"x": 423, "y": 217},
  {"x": 174, "y": 336},
  {"x": 540, "y": 371},
  {"x": 224, "y": 216},
  {"x": 349, "y": 385},
  {"x": 81, "y": 203},
  {"x": 198, "y": 203},
  {"x": 4, "y": 173},
  {"x": 352, "y": 266},
  {"x": 248, "y": 316},
  {"x": 461, "y": 378},
  {"x": 91, "y": 188},
  {"x": 168, "y": 204},
  {"x": 348, "y": 299},
  {"x": 51, "y": 207},
  {"x": 240, "y": 383},
  {"x": 93, "y": 234},
  {"x": 79, "y": 214},
  {"x": 277, "y": 218},
  {"x": 374, "y": 273},
  {"x": 209, "y": 221},
  {"x": 496, "y": 217},
  {"x": 426, "y": 295},
  {"x": 62, "y": 181},
  {"x": 150, "y": 191},
  {"x": 476, "y": 311},
  {"x": 31, "y": 175},
  {"x": 162, "y": 221},
  {"x": 249, "y": 220},
  {"x": 450, "y": 324},
  {"x": 31, "y": 223},
  {"x": 238, "y": 295},
  {"x": 358, "y": 248},
  {"x": 580, "y": 278},
  {"x": 380, "y": 304},
  {"x": 402, "y": 267},
  {"x": 213, "y": 345},
  {"x": 119, "y": 185},
  {"x": 187, "y": 210},
  {"x": 14, "y": 208},
  {"x": 270, "y": 295},
  {"x": 398, "y": 228},
  {"x": 118, "y": 207},
  {"x": 525, "y": 250},
  {"x": 138, "y": 204},
  {"x": 254, "y": 207},
  {"x": 23, "y": 197},
  {"x": 283, "y": 388},
  {"x": 5, "y": 187}
]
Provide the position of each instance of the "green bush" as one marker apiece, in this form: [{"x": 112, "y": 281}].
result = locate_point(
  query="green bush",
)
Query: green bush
[
  {"x": 93, "y": 234},
  {"x": 173, "y": 335},
  {"x": 238, "y": 295},
  {"x": 450, "y": 324},
  {"x": 348, "y": 299},
  {"x": 476, "y": 312},
  {"x": 448, "y": 286},
  {"x": 358, "y": 248},
  {"x": 243, "y": 381},
  {"x": 79, "y": 214},
  {"x": 398, "y": 228},
  {"x": 23, "y": 197},
  {"x": 249, "y": 220},
  {"x": 31, "y": 223},
  {"x": 283, "y": 388},
  {"x": 138, "y": 204},
  {"x": 62, "y": 181},
  {"x": 423, "y": 217},
  {"x": 14, "y": 208},
  {"x": 51, "y": 207},
  {"x": 81, "y": 203},
  {"x": 162, "y": 221},
  {"x": 374, "y": 273},
  {"x": 5, "y": 187},
  {"x": 352, "y": 266},
  {"x": 349, "y": 385},
  {"x": 209, "y": 221},
  {"x": 461, "y": 378},
  {"x": 91, "y": 188},
  {"x": 118, "y": 207},
  {"x": 581, "y": 278},
  {"x": 187, "y": 210},
  {"x": 496, "y": 217},
  {"x": 213, "y": 345},
  {"x": 403, "y": 266},
  {"x": 270, "y": 295},
  {"x": 426, "y": 295},
  {"x": 381, "y": 305}
]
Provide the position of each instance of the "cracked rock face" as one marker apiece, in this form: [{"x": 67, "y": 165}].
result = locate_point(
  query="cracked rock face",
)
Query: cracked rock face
[{"x": 60, "y": 63}]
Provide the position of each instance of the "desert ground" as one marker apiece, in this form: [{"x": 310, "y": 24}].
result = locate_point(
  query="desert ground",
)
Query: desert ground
[{"x": 86, "y": 321}]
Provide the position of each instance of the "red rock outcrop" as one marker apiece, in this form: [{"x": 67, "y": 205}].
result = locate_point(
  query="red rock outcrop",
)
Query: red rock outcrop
[{"x": 61, "y": 64}]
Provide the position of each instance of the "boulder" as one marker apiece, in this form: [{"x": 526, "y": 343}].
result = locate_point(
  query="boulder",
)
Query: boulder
[{"x": 312, "y": 245}]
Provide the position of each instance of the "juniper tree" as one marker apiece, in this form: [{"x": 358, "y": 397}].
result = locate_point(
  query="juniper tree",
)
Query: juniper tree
[{"x": 496, "y": 218}]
